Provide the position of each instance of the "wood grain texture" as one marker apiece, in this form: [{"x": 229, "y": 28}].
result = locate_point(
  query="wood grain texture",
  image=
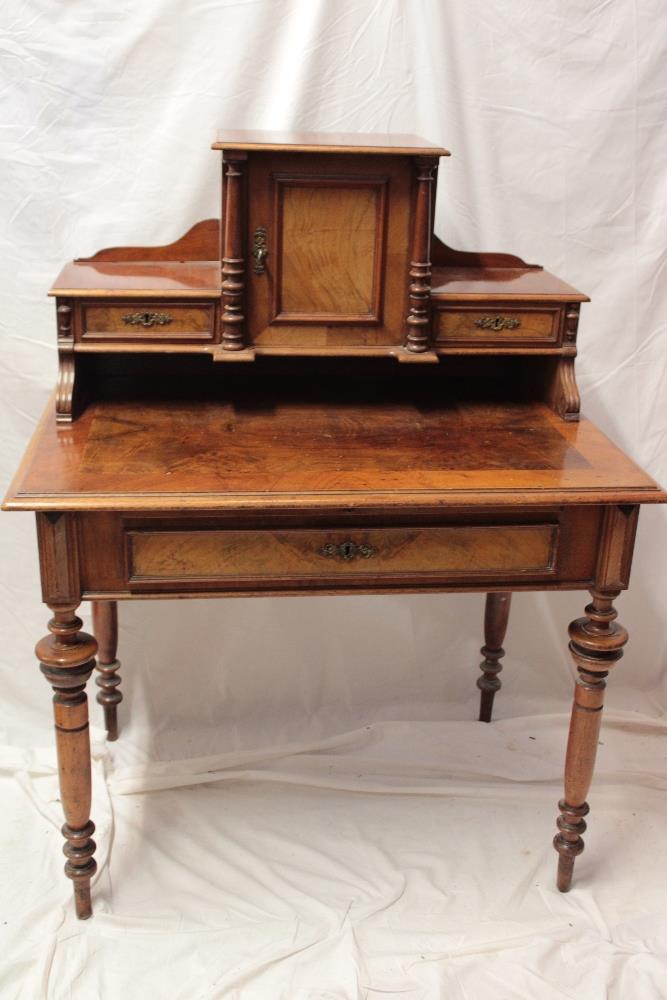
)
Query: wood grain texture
[
  {"x": 329, "y": 255},
  {"x": 481, "y": 283},
  {"x": 440, "y": 553},
  {"x": 233, "y": 553},
  {"x": 58, "y": 546},
  {"x": 462, "y": 325},
  {"x": 138, "y": 279},
  {"x": 351, "y": 143},
  {"x": 337, "y": 234},
  {"x": 264, "y": 445},
  {"x": 67, "y": 659},
  {"x": 106, "y": 321},
  {"x": 596, "y": 645}
]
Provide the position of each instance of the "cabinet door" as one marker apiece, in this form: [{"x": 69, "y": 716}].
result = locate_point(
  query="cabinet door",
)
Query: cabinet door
[{"x": 327, "y": 242}]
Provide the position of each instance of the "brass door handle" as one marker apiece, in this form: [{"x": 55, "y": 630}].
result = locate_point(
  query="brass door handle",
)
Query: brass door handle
[
  {"x": 347, "y": 551},
  {"x": 260, "y": 251}
]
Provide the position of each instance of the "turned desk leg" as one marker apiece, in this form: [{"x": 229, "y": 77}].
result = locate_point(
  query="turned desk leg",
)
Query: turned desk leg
[
  {"x": 105, "y": 627},
  {"x": 596, "y": 643},
  {"x": 496, "y": 615},
  {"x": 67, "y": 659}
]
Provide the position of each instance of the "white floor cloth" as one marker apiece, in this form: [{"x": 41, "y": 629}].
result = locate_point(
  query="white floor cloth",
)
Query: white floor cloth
[
  {"x": 399, "y": 859},
  {"x": 348, "y": 834}
]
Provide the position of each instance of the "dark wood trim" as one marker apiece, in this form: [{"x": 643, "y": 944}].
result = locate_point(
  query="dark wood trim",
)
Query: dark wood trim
[
  {"x": 58, "y": 544},
  {"x": 617, "y": 546},
  {"x": 233, "y": 261},
  {"x": 418, "y": 320}
]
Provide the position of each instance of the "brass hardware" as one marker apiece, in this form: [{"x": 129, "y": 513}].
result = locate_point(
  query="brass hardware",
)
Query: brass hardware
[
  {"x": 347, "y": 551},
  {"x": 498, "y": 323},
  {"x": 147, "y": 319},
  {"x": 260, "y": 250}
]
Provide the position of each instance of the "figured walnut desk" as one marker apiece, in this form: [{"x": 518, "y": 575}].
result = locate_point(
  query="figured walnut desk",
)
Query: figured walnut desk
[{"x": 328, "y": 486}]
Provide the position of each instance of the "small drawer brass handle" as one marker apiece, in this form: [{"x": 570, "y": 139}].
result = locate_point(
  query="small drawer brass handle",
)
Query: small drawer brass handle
[
  {"x": 147, "y": 319},
  {"x": 260, "y": 250},
  {"x": 347, "y": 551},
  {"x": 498, "y": 323}
]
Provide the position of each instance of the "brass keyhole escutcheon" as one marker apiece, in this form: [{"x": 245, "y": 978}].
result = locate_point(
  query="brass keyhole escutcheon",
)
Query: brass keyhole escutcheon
[
  {"x": 347, "y": 551},
  {"x": 260, "y": 250}
]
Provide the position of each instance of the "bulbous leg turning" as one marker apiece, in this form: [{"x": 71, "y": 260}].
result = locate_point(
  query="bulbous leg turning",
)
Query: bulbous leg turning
[
  {"x": 596, "y": 644},
  {"x": 67, "y": 659},
  {"x": 105, "y": 627},
  {"x": 496, "y": 616}
]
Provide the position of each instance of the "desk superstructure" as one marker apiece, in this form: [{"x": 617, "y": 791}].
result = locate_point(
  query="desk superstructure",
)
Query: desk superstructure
[{"x": 390, "y": 415}]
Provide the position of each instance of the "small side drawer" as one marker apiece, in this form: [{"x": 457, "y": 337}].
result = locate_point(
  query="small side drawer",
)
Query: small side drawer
[
  {"x": 265, "y": 558},
  {"x": 148, "y": 321},
  {"x": 497, "y": 325}
]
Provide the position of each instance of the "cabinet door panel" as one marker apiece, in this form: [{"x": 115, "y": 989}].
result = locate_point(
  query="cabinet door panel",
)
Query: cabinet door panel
[
  {"x": 336, "y": 234},
  {"x": 330, "y": 238}
]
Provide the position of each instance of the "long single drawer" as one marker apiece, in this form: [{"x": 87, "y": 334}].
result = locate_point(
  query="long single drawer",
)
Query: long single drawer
[
  {"x": 488, "y": 327},
  {"x": 136, "y": 320},
  {"x": 276, "y": 557}
]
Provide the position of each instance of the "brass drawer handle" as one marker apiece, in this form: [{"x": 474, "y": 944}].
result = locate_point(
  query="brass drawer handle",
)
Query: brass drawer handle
[
  {"x": 498, "y": 323},
  {"x": 260, "y": 250},
  {"x": 147, "y": 319},
  {"x": 347, "y": 551}
]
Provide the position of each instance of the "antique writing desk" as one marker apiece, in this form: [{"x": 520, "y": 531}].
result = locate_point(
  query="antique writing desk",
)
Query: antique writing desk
[{"x": 391, "y": 416}]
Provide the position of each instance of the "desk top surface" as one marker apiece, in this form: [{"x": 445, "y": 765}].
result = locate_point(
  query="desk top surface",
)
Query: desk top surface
[{"x": 270, "y": 445}]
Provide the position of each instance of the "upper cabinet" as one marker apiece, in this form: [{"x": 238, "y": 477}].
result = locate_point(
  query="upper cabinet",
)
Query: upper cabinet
[{"x": 326, "y": 241}]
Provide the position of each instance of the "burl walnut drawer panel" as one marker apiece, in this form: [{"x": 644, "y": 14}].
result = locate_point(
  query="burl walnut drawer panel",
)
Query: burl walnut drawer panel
[
  {"x": 487, "y": 327},
  {"x": 260, "y": 557},
  {"x": 148, "y": 321}
]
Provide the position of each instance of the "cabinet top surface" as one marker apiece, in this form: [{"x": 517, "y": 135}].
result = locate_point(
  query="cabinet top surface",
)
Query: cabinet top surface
[
  {"x": 178, "y": 279},
  {"x": 201, "y": 279},
  {"x": 319, "y": 445},
  {"x": 327, "y": 142}
]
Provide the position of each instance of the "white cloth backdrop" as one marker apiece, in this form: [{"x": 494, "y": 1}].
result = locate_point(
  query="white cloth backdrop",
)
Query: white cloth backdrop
[{"x": 300, "y": 807}]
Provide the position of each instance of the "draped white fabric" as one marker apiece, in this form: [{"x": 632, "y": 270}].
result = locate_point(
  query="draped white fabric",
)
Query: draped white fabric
[{"x": 300, "y": 807}]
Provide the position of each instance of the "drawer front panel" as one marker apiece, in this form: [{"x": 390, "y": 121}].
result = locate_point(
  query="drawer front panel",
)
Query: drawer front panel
[
  {"x": 497, "y": 325},
  {"x": 148, "y": 321},
  {"x": 423, "y": 554}
]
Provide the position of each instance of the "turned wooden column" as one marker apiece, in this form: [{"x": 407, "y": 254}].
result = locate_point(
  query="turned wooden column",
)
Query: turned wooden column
[
  {"x": 105, "y": 627},
  {"x": 418, "y": 323},
  {"x": 596, "y": 644},
  {"x": 233, "y": 259},
  {"x": 496, "y": 615},
  {"x": 67, "y": 659}
]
